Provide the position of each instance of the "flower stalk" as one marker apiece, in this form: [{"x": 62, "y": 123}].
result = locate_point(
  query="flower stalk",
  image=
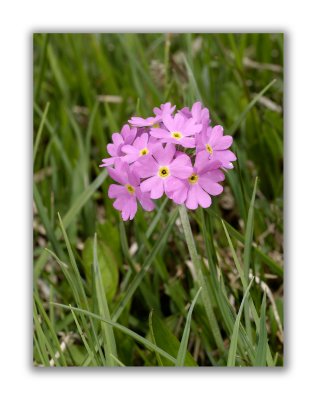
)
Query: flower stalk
[{"x": 200, "y": 277}]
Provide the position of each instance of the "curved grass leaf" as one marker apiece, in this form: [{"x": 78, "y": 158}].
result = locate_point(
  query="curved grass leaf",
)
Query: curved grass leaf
[
  {"x": 206, "y": 298},
  {"x": 123, "y": 329},
  {"x": 166, "y": 340},
  {"x": 234, "y": 338},
  {"x": 184, "y": 342},
  {"x": 260, "y": 356},
  {"x": 145, "y": 267},
  {"x": 235, "y": 126},
  {"x": 40, "y": 130},
  {"x": 109, "y": 339}
]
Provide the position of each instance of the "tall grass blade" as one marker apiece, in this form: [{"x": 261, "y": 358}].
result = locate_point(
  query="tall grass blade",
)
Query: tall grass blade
[
  {"x": 184, "y": 342},
  {"x": 234, "y": 338},
  {"x": 145, "y": 267},
  {"x": 109, "y": 339},
  {"x": 260, "y": 356},
  {"x": 40, "y": 130},
  {"x": 123, "y": 329},
  {"x": 198, "y": 269},
  {"x": 236, "y": 125}
]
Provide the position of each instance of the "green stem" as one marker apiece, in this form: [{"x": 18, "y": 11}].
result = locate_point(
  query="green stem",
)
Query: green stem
[{"x": 200, "y": 278}]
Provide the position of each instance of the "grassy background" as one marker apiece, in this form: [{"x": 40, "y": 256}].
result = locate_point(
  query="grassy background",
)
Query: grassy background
[{"x": 142, "y": 276}]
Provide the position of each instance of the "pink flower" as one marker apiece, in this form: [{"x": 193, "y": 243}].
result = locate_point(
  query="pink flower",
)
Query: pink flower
[
  {"x": 163, "y": 171},
  {"x": 202, "y": 183},
  {"x": 212, "y": 142},
  {"x": 148, "y": 162},
  {"x": 178, "y": 130},
  {"x": 142, "y": 146},
  {"x": 165, "y": 109},
  {"x": 128, "y": 192},
  {"x": 141, "y": 122},
  {"x": 114, "y": 149},
  {"x": 200, "y": 114}
]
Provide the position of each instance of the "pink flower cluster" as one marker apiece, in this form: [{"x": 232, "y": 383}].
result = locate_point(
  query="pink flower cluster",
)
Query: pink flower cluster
[{"x": 178, "y": 154}]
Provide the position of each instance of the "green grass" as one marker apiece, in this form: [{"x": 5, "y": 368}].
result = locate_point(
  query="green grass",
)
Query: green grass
[{"x": 172, "y": 287}]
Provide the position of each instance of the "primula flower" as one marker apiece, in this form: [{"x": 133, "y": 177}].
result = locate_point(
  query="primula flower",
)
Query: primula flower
[
  {"x": 126, "y": 137},
  {"x": 202, "y": 183},
  {"x": 165, "y": 109},
  {"x": 128, "y": 192},
  {"x": 200, "y": 114},
  {"x": 212, "y": 142},
  {"x": 142, "y": 146},
  {"x": 148, "y": 162},
  {"x": 163, "y": 171},
  {"x": 178, "y": 130},
  {"x": 141, "y": 122}
]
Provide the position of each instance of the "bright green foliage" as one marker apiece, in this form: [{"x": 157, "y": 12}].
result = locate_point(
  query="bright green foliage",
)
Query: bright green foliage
[{"x": 173, "y": 287}]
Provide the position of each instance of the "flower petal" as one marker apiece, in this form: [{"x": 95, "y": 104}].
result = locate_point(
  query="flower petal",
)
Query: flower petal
[
  {"x": 157, "y": 189},
  {"x": 191, "y": 201},
  {"x": 130, "y": 208},
  {"x": 216, "y": 175},
  {"x": 106, "y": 162},
  {"x": 145, "y": 201},
  {"x": 113, "y": 149},
  {"x": 203, "y": 198},
  {"x": 159, "y": 133},
  {"x": 120, "y": 202},
  {"x": 146, "y": 167},
  {"x": 148, "y": 184},
  {"x": 225, "y": 157},
  {"x": 168, "y": 121},
  {"x": 223, "y": 143},
  {"x": 215, "y": 134},
  {"x": 210, "y": 186},
  {"x": 118, "y": 176},
  {"x": 164, "y": 155},
  {"x": 128, "y": 149},
  {"x": 181, "y": 167},
  {"x": 142, "y": 141},
  {"x": 177, "y": 190},
  {"x": 116, "y": 191}
]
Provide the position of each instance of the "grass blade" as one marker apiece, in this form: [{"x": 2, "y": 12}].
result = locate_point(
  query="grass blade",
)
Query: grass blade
[
  {"x": 81, "y": 333},
  {"x": 234, "y": 338},
  {"x": 145, "y": 267},
  {"x": 159, "y": 360},
  {"x": 247, "y": 254},
  {"x": 109, "y": 339},
  {"x": 40, "y": 130},
  {"x": 123, "y": 329},
  {"x": 249, "y": 233},
  {"x": 50, "y": 328},
  {"x": 198, "y": 268},
  {"x": 260, "y": 356},
  {"x": 235, "y": 126},
  {"x": 274, "y": 267},
  {"x": 117, "y": 361},
  {"x": 184, "y": 342},
  {"x": 83, "y": 198}
]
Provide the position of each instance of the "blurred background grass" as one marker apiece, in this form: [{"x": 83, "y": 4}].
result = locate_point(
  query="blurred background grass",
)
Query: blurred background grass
[{"x": 86, "y": 86}]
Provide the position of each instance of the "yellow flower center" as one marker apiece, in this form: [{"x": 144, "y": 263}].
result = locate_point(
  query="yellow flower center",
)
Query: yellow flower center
[
  {"x": 209, "y": 148},
  {"x": 156, "y": 125},
  {"x": 130, "y": 188},
  {"x": 193, "y": 179},
  {"x": 164, "y": 172},
  {"x": 144, "y": 151},
  {"x": 176, "y": 135}
]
